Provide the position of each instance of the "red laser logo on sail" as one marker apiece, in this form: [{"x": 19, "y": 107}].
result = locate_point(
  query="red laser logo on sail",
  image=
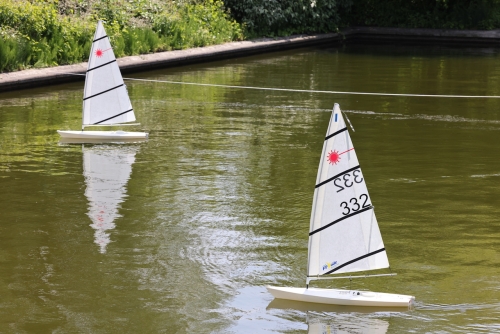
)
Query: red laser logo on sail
[
  {"x": 334, "y": 156},
  {"x": 99, "y": 53}
]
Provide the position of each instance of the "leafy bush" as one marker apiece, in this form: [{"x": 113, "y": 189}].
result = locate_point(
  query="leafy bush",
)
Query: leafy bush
[
  {"x": 197, "y": 25},
  {"x": 286, "y": 17},
  {"x": 44, "y": 37},
  {"x": 11, "y": 49},
  {"x": 444, "y": 14},
  {"x": 48, "y": 33},
  {"x": 40, "y": 33}
]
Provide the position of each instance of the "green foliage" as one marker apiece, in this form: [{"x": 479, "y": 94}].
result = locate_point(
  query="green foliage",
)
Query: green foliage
[
  {"x": 443, "y": 14},
  {"x": 197, "y": 25},
  {"x": 286, "y": 17},
  {"x": 56, "y": 32},
  {"x": 10, "y": 47},
  {"x": 39, "y": 33},
  {"x": 44, "y": 37}
]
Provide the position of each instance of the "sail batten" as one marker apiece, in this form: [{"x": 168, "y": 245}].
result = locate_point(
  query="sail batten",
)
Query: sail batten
[
  {"x": 340, "y": 219},
  {"x": 336, "y": 133},
  {"x": 95, "y": 68},
  {"x": 344, "y": 235},
  {"x": 107, "y": 119},
  {"x": 336, "y": 176},
  {"x": 98, "y": 39},
  {"x": 108, "y": 90},
  {"x": 355, "y": 260}
]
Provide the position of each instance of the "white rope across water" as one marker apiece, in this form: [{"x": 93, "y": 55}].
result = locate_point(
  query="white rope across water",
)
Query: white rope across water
[{"x": 312, "y": 91}]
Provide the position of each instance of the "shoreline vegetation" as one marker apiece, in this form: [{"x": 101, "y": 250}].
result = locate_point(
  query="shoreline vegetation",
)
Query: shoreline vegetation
[
  {"x": 47, "y": 33},
  {"x": 35, "y": 34}
]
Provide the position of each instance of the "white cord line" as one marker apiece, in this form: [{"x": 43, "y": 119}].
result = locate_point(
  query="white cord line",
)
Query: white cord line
[{"x": 313, "y": 91}]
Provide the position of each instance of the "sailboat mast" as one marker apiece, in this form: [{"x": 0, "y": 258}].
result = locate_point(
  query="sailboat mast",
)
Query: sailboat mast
[{"x": 88, "y": 74}]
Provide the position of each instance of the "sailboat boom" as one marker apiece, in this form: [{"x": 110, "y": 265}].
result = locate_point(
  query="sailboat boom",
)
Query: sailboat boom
[
  {"x": 118, "y": 124},
  {"x": 316, "y": 278}
]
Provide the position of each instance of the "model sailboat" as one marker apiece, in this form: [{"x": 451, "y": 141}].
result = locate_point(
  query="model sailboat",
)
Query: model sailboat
[
  {"x": 344, "y": 236},
  {"x": 105, "y": 98}
]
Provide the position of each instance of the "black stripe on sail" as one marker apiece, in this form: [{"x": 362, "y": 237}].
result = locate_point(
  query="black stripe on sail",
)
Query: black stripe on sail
[
  {"x": 109, "y": 62},
  {"x": 340, "y": 219},
  {"x": 336, "y": 176},
  {"x": 91, "y": 96},
  {"x": 355, "y": 260},
  {"x": 335, "y": 133},
  {"x": 95, "y": 40},
  {"x": 107, "y": 119}
]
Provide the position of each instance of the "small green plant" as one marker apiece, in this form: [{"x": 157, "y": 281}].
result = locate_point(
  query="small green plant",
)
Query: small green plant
[{"x": 11, "y": 49}]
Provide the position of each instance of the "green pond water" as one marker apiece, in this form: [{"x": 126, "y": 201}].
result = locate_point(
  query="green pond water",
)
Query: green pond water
[{"x": 180, "y": 234}]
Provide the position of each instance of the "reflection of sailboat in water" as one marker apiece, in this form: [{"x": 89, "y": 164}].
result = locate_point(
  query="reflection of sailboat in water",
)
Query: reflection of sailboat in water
[
  {"x": 106, "y": 170},
  {"x": 348, "y": 326},
  {"x": 337, "y": 319}
]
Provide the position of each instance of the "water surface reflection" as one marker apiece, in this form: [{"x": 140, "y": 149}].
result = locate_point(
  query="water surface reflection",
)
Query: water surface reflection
[
  {"x": 347, "y": 325},
  {"x": 107, "y": 170},
  {"x": 216, "y": 204}
]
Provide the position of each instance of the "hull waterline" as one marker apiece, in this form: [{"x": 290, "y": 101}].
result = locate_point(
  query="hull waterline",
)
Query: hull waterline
[
  {"x": 342, "y": 297},
  {"x": 111, "y": 135}
]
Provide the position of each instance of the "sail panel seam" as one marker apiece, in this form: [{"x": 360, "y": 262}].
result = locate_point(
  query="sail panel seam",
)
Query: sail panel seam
[
  {"x": 109, "y": 62},
  {"x": 355, "y": 260},
  {"x": 89, "y": 97},
  {"x": 336, "y": 176},
  {"x": 340, "y": 219},
  {"x": 107, "y": 119},
  {"x": 335, "y": 133}
]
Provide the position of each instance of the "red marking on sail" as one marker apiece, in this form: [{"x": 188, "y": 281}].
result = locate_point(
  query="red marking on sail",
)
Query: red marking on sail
[
  {"x": 334, "y": 156},
  {"x": 99, "y": 53},
  {"x": 347, "y": 151}
]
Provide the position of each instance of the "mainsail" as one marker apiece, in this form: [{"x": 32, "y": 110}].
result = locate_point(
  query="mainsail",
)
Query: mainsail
[
  {"x": 105, "y": 97},
  {"x": 344, "y": 235},
  {"x": 107, "y": 170}
]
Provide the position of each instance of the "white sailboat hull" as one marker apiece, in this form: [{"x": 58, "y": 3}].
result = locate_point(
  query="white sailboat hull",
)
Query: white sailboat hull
[
  {"x": 341, "y": 297},
  {"x": 112, "y": 135}
]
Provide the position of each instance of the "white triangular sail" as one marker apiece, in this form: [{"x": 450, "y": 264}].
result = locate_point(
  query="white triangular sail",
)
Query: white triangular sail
[
  {"x": 107, "y": 170},
  {"x": 105, "y": 98},
  {"x": 344, "y": 235}
]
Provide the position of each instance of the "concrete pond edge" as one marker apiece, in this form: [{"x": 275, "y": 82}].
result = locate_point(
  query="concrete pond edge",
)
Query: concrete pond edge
[{"x": 61, "y": 74}]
